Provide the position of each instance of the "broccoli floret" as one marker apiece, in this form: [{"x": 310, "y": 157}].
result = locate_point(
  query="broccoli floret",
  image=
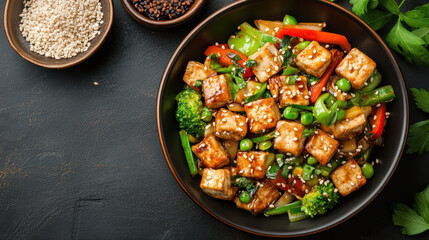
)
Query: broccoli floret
[
  {"x": 188, "y": 114},
  {"x": 321, "y": 199}
]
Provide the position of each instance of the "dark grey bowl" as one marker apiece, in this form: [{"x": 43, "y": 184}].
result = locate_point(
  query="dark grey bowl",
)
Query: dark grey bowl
[{"x": 217, "y": 28}]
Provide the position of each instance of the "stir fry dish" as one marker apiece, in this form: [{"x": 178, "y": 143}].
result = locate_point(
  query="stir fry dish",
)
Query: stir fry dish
[{"x": 282, "y": 118}]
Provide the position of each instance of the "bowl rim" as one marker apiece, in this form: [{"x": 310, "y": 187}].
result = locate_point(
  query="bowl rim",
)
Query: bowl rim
[
  {"x": 207, "y": 21},
  {"x": 163, "y": 24},
  {"x": 72, "y": 61}
]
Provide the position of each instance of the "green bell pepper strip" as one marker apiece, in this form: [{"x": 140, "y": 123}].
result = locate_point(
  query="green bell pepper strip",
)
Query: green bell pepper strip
[
  {"x": 193, "y": 169},
  {"x": 290, "y": 71},
  {"x": 379, "y": 95},
  {"x": 257, "y": 95},
  {"x": 373, "y": 82},
  {"x": 308, "y": 170},
  {"x": 269, "y": 136},
  {"x": 259, "y": 36},
  {"x": 244, "y": 43},
  {"x": 303, "y": 107},
  {"x": 282, "y": 209},
  {"x": 272, "y": 171},
  {"x": 321, "y": 112}
]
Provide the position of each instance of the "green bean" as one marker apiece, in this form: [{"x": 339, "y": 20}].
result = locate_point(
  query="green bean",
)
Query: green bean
[
  {"x": 246, "y": 145},
  {"x": 206, "y": 115},
  {"x": 344, "y": 85},
  {"x": 306, "y": 118},
  {"x": 367, "y": 170},
  {"x": 244, "y": 197}
]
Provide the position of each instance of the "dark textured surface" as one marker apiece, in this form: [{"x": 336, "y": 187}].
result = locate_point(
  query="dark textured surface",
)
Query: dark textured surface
[{"x": 79, "y": 161}]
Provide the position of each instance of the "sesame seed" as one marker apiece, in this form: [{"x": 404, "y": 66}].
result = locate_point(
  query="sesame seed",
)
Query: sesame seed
[
  {"x": 268, "y": 70},
  {"x": 310, "y": 56},
  {"x": 96, "y": 83},
  {"x": 267, "y": 29},
  {"x": 232, "y": 46}
]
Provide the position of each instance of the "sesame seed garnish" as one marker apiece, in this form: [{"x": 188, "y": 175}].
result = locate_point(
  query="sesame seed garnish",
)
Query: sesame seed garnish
[{"x": 232, "y": 46}]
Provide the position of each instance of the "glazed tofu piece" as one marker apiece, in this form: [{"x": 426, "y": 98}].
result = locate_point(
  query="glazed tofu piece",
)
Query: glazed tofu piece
[
  {"x": 262, "y": 115},
  {"x": 251, "y": 164},
  {"x": 356, "y": 67},
  {"x": 348, "y": 177},
  {"x": 211, "y": 153},
  {"x": 322, "y": 146},
  {"x": 230, "y": 126},
  {"x": 266, "y": 194},
  {"x": 296, "y": 93},
  {"x": 314, "y": 59},
  {"x": 274, "y": 84},
  {"x": 347, "y": 128},
  {"x": 217, "y": 183},
  {"x": 216, "y": 91},
  {"x": 268, "y": 62},
  {"x": 197, "y": 71},
  {"x": 289, "y": 137}
]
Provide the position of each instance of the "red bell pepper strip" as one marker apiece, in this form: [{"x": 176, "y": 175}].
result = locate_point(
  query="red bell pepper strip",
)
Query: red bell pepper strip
[
  {"x": 313, "y": 35},
  {"x": 224, "y": 60},
  {"x": 377, "y": 127},
  {"x": 316, "y": 89},
  {"x": 298, "y": 188}
]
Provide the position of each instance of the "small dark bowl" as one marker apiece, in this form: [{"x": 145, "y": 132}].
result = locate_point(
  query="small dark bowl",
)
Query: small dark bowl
[
  {"x": 164, "y": 24},
  {"x": 217, "y": 28},
  {"x": 13, "y": 9}
]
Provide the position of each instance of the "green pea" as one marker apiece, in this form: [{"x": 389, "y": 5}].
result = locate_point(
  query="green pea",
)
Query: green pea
[
  {"x": 246, "y": 144},
  {"x": 367, "y": 170},
  {"x": 206, "y": 115},
  {"x": 303, "y": 45},
  {"x": 267, "y": 94},
  {"x": 198, "y": 84},
  {"x": 344, "y": 85},
  {"x": 288, "y": 19},
  {"x": 244, "y": 197},
  {"x": 264, "y": 145},
  {"x": 306, "y": 118},
  {"x": 311, "y": 160},
  {"x": 340, "y": 115},
  {"x": 291, "y": 113}
]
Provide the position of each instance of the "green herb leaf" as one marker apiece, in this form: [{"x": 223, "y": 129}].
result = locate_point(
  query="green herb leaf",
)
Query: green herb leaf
[
  {"x": 418, "y": 137},
  {"x": 411, "y": 222},
  {"x": 421, "y": 97},
  {"x": 419, "y": 17},
  {"x": 233, "y": 56},
  {"x": 376, "y": 18},
  {"x": 250, "y": 63},
  {"x": 422, "y": 33},
  {"x": 391, "y": 5},
  {"x": 285, "y": 41},
  {"x": 422, "y": 204},
  {"x": 372, "y": 4},
  {"x": 360, "y": 7},
  {"x": 408, "y": 44}
]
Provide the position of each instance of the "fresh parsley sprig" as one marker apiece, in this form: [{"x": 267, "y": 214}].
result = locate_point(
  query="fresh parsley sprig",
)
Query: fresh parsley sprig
[
  {"x": 413, "y": 221},
  {"x": 410, "y": 42},
  {"x": 418, "y": 134}
]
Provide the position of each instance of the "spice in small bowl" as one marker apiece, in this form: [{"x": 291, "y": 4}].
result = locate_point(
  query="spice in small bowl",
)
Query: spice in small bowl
[
  {"x": 162, "y": 10},
  {"x": 162, "y": 14}
]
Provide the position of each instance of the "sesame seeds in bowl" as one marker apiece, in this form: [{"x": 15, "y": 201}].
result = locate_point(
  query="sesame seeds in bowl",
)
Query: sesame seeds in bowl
[{"x": 57, "y": 34}]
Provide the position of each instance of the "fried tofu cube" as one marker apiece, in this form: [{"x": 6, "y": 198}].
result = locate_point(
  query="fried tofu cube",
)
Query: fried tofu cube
[
  {"x": 217, "y": 183},
  {"x": 348, "y": 177},
  {"x": 356, "y": 67},
  {"x": 263, "y": 115},
  {"x": 230, "y": 126},
  {"x": 347, "y": 128},
  {"x": 266, "y": 194},
  {"x": 314, "y": 59},
  {"x": 289, "y": 137},
  {"x": 211, "y": 153},
  {"x": 197, "y": 71},
  {"x": 274, "y": 84},
  {"x": 268, "y": 62},
  {"x": 216, "y": 91},
  {"x": 296, "y": 93},
  {"x": 322, "y": 146},
  {"x": 251, "y": 164}
]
